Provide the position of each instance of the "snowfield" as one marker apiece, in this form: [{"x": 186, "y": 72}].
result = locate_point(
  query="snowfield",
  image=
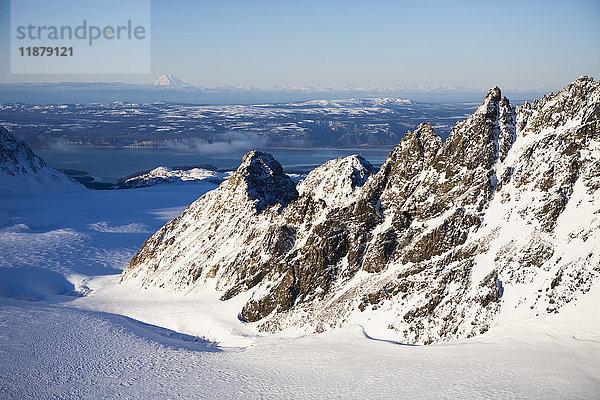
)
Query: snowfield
[{"x": 69, "y": 330}]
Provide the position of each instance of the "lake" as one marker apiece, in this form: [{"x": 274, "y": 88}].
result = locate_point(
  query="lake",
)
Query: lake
[{"x": 108, "y": 165}]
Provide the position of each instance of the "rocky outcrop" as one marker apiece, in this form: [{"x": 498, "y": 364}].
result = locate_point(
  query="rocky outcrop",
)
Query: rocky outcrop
[
  {"x": 21, "y": 171},
  {"x": 431, "y": 247}
]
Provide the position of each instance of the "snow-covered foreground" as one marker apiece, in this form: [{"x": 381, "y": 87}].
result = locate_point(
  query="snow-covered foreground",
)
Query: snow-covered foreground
[
  {"x": 69, "y": 330},
  {"x": 56, "y": 350}
]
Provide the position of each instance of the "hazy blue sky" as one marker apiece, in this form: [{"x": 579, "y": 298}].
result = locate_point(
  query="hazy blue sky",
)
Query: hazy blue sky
[{"x": 527, "y": 44}]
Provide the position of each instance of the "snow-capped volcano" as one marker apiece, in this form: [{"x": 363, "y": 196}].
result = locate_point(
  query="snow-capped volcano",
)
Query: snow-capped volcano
[
  {"x": 21, "y": 171},
  {"x": 168, "y": 80},
  {"x": 498, "y": 223}
]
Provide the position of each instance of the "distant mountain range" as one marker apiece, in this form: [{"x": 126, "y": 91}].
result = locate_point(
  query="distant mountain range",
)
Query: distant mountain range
[{"x": 169, "y": 88}]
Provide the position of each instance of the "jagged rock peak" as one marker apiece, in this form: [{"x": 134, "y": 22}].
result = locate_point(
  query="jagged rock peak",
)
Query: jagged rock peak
[
  {"x": 491, "y": 103},
  {"x": 587, "y": 83},
  {"x": 483, "y": 137},
  {"x": 423, "y": 140},
  {"x": 585, "y": 78},
  {"x": 335, "y": 182},
  {"x": 263, "y": 161},
  {"x": 424, "y": 131},
  {"x": 417, "y": 148},
  {"x": 264, "y": 181},
  {"x": 430, "y": 141},
  {"x": 578, "y": 101},
  {"x": 494, "y": 94},
  {"x": 415, "y": 153}
]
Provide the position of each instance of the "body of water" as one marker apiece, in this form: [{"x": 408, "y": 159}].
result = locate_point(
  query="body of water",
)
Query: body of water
[{"x": 109, "y": 165}]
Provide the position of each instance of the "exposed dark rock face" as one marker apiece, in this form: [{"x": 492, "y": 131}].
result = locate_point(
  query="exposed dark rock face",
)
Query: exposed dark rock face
[
  {"x": 427, "y": 248},
  {"x": 265, "y": 181},
  {"x": 16, "y": 157},
  {"x": 21, "y": 171}
]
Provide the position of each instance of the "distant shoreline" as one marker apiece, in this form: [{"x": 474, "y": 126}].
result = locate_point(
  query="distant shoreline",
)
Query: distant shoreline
[{"x": 82, "y": 147}]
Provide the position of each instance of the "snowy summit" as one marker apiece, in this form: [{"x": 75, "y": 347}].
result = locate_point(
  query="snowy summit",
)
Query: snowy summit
[{"x": 168, "y": 80}]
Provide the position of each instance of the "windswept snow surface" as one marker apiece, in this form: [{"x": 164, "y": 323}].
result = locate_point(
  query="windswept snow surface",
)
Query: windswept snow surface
[{"x": 68, "y": 330}]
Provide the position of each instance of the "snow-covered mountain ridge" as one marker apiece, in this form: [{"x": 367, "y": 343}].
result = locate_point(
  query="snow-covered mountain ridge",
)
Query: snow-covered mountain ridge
[
  {"x": 21, "y": 171},
  {"x": 499, "y": 223}
]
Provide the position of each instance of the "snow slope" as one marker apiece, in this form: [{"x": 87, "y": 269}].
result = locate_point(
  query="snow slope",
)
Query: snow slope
[
  {"x": 108, "y": 356},
  {"x": 21, "y": 171},
  {"x": 324, "y": 183}
]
